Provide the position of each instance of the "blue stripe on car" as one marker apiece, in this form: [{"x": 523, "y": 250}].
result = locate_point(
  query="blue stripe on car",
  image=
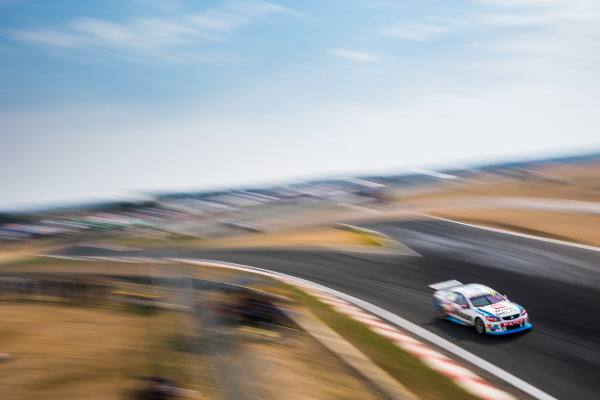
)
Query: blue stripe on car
[
  {"x": 486, "y": 313},
  {"x": 456, "y": 321}
]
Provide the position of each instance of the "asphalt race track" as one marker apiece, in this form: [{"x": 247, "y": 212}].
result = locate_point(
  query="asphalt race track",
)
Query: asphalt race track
[{"x": 559, "y": 286}]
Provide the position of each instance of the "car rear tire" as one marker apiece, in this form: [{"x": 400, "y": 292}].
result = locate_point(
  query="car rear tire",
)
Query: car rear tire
[{"x": 479, "y": 326}]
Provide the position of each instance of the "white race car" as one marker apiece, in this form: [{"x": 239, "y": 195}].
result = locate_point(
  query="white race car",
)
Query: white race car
[{"x": 479, "y": 306}]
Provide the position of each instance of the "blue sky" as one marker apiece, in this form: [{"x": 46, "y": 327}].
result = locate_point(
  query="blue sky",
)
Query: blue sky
[{"x": 106, "y": 99}]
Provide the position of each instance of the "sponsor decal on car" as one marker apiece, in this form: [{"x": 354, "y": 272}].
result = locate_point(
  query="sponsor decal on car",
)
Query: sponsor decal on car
[
  {"x": 515, "y": 322},
  {"x": 463, "y": 315}
]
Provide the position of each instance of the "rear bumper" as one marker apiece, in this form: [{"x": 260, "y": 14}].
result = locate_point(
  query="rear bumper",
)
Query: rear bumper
[{"x": 521, "y": 329}]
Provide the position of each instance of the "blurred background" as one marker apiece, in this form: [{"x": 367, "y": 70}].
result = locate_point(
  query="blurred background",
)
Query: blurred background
[{"x": 300, "y": 137}]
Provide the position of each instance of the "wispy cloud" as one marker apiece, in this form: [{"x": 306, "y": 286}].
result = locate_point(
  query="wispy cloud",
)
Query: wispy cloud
[
  {"x": 217, "y": 22},
  {"x": 49, "y": 38},
  {"x": 540, "y": 14},
  {"x": 258, "y": 8},
  {"x": 354, "y": 55},
  {"x": 415, "y": 31},
  {"x": 163, "y": 38},
  {"x": 563, "y": 30},
  {"x": 538, "y": 3},
  {"x": 538, "y": 19}
]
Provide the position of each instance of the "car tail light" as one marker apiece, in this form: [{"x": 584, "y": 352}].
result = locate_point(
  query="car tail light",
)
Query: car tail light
[
  {"x": 492, "y": 319},
  {"x": 524, "y": 311}
]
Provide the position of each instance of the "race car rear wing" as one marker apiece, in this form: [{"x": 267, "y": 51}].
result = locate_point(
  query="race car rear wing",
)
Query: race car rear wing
[{"x": 445, "y": 284}]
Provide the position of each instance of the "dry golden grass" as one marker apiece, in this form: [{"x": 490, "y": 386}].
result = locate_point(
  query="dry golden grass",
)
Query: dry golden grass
[
  {"x": 69, "y": 352},
  {"x": 584, "y": 186},
  {"x": 293, "y": 372},
  {"x": 576, "y": 228},
  {"x": 11, "y": 252},
  {"x": 319, "y": 236},
  {"x": 44, "y": 265},
  {"x": 314, "y": 236}
]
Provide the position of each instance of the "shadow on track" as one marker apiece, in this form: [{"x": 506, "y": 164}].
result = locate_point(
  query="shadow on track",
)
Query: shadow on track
[{"x": 463, "y": 333}]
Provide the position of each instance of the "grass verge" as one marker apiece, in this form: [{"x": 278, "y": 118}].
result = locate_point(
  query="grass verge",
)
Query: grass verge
[
  {"x": 426, "y": 383},
  {"x": 74, "y": 352},
  {"x": 372, "y": 238},
  {"x": 406, "y": 368},
  {"x": 302, "y": 237}
]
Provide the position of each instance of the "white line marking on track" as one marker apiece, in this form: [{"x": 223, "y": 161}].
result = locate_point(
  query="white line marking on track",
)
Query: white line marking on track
[
  {"x": 543, "y": 239},
  {"x": 61, "y": 257}
]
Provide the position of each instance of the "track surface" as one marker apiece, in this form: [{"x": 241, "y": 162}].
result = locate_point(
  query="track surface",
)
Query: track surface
[{"x": 557, "y": 284}]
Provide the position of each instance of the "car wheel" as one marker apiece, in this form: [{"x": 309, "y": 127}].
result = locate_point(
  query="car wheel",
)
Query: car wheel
[{"x": 479, "y": 326}]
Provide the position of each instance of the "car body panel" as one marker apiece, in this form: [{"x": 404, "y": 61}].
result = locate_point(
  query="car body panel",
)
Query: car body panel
[{"x": 501, "y": 309}]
